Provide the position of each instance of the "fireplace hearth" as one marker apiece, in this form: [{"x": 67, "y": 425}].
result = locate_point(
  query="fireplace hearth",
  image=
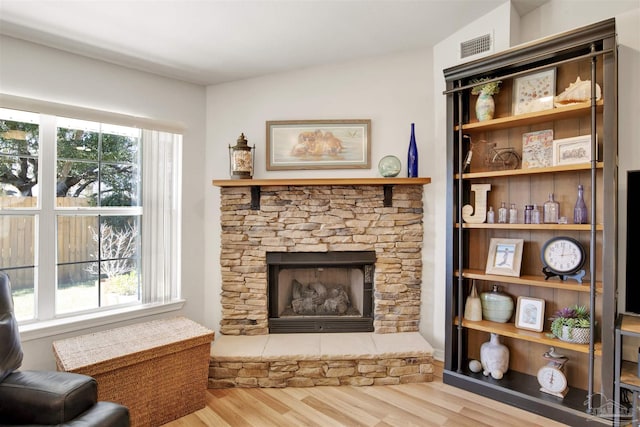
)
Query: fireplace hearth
[{"x": 320, "y": 291}]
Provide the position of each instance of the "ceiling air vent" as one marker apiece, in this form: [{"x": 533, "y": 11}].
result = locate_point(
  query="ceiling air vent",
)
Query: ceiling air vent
[{"x": 476, "y": 46}]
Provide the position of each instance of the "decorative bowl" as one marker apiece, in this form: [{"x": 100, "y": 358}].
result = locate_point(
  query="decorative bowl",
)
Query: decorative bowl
[{"x": 389, "y": 166}]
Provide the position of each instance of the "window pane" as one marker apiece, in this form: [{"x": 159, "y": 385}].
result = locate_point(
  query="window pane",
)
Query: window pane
[
  {"x": 22, "y": 289},
  {"x": 77, "y": 144},
  {"x": 98, "y": 261},
  {"x": 77, "y": 242},
  {"x": 77, "y": 288},
  {"x": 97, "y": 162},
  {"x": 18, "y": 158},
  {"x": 18, "y": 182},
  {"x": 120, "y": 185},
  {"x": 119, "y": 259},
  {"x": 17, "y": 259},
  {"x": 119, "y": 243},
  {"x": 77, "y": 184},
  {"x": 121, "y": 288},
  {"x": 119, "y": 148}
]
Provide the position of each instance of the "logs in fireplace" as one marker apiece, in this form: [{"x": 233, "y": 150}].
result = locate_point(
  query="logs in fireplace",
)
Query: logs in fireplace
[{"x": 320, "y": 291}]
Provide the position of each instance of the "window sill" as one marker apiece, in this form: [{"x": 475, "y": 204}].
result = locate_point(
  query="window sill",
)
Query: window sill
[{"x": 34, "y": 331}]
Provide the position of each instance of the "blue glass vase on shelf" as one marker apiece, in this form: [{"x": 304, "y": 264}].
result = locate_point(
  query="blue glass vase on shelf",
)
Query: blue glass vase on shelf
[{"x": 412, "y": 157}]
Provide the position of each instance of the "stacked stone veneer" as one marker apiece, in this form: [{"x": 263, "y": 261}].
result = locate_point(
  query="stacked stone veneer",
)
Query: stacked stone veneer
[
  {"x": 321, "y": 219},
  {"x": 376, "y": 370}
]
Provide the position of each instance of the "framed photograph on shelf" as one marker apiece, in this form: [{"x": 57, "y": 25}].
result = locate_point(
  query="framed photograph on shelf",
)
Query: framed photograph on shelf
[
  {"x": 530, "y": 314},
  {"x": 318, "y": 144},
  {"x": 534, "y": 92},
  {"x": 573, "y": 150},
  {"x": 537, "y": 149},
  {"x": 505, "y": 257}
]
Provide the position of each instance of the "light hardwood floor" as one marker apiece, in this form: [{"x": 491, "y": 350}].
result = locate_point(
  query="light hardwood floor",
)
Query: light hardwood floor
[{"x": 426, "y": 404}]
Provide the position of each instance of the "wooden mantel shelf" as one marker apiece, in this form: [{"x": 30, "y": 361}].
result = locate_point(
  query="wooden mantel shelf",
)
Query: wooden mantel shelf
[
  {"x": 257, "y": 184},
  {"x": 318, "y": 181}
]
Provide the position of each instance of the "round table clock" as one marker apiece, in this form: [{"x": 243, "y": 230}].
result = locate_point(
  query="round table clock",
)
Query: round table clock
[
  {"x": 564, "y": 257},
  {"x": 551, "y": 377}
]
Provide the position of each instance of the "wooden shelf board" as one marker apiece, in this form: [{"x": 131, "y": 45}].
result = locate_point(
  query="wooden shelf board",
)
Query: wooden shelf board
[
  {"x": 629, "y": 374},
  {"x": 531, "y": 118},
  {"x": 630, "y": 324},
  {"x": 531, "y": 281},
  {"x": 509, "y": 330},
  {"x": 532, "y": 171},
  {"x": 318, "y": 181},
  {"x": 564, "y": 227}
]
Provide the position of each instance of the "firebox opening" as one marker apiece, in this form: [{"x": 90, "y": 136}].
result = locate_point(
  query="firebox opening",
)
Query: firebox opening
[{"x": 320, "y": 292}]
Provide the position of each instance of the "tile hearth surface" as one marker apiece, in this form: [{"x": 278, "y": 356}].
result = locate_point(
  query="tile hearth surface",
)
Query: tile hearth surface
[{"x": 321, "y": 346}]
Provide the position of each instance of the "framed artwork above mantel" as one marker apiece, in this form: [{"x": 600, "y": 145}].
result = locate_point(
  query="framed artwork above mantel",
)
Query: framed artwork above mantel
[{"x": 318, "y": 144}]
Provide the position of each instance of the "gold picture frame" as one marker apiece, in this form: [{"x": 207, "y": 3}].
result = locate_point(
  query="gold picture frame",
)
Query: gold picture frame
[
  {"x": 504, "y": 257},
  {"x": 318, "y": 144},
  {"x": 530, "y": 313}
]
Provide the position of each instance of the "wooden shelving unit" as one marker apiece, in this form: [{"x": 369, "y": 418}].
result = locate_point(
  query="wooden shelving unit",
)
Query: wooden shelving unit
[
  {"x": 532, "y": 171},
  {"x": 589, "y": 53},
  {"x": 529, "y": 119},
  {"x": 509, "y": 330},
  {"x": 556, "y": 227},
  {"x": 530, "y": 280}
]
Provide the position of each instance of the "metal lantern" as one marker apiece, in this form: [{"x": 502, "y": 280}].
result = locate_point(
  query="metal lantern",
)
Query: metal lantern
[{"x": 241, "y": 158}]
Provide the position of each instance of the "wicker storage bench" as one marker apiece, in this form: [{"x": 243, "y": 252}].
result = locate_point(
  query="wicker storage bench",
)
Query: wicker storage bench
[{"x": 158, "y": 369}]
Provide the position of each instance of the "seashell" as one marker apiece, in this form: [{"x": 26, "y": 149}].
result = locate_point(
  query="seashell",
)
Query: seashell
[{"x": 577, "y": 92}]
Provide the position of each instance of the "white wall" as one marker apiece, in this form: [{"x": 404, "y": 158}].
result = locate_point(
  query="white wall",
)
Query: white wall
[
  {"x": 445, "y": 54},
  {"x": 557, "y": 16},
  {"x": 33, "y": 71},
  {"x": 392, "y": 91}
]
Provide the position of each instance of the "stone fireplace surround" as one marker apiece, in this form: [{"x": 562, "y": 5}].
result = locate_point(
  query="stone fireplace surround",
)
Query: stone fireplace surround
[{"x": 321, "y": 218}]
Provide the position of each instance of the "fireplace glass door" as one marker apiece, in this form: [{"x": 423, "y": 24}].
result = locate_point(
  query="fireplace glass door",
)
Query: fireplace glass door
[{"x": 321, "y": 292}]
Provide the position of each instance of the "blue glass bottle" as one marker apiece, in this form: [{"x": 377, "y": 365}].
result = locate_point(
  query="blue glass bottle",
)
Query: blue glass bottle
[{"x": 412, "y": 157}]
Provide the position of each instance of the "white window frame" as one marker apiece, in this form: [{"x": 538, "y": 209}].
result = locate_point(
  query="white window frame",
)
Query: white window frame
[{"x": 168, "y": 265}]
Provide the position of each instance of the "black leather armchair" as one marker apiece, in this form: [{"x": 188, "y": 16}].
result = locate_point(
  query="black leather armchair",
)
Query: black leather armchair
[{"x": 45, "y": 397}]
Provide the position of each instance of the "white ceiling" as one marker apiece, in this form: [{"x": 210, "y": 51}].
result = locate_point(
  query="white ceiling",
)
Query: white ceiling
[{"x": 213, "y": 41}]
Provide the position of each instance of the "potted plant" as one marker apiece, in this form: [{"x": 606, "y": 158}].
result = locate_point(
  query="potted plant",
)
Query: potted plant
[
  {"x": 572, "y": 324},
  {"x": 485, "y": 106}
]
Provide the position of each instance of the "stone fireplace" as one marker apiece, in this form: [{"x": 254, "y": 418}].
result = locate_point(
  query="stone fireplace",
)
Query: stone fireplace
[
  {"x": 259, "y": 221},
  {"x": 321, "y": 255}
]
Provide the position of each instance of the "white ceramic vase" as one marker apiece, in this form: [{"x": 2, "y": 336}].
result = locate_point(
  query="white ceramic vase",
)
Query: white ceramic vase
[{"x": 494, "y": 357}]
